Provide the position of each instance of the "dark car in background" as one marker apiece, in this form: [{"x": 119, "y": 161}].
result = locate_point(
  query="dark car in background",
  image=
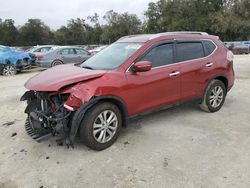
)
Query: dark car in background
[
  {"x": 62, "y": 55},
  {"x": 12, "y": 61},
  {"x": 237, "y": 47},
  {"x": 247, "y": 43}
]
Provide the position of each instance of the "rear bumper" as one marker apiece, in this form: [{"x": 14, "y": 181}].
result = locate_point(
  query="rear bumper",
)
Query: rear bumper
[{"x": 43, "y": 64}]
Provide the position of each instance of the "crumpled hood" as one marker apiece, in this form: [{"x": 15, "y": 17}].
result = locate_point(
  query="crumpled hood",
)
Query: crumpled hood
[{"x": 57, "y": 77}]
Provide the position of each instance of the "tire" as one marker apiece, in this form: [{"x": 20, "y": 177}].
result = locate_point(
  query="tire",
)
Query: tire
[
  {"x": 214, "y": 96},
  {"x": 9, "y": 70},
  {"x": 56, "y": 62},
  {"x": 93, "y": 135}
]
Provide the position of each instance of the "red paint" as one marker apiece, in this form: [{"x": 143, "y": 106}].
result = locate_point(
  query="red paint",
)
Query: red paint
[
  {"x": 57, "y": 77},
  {"x": 140, "y": 91}
]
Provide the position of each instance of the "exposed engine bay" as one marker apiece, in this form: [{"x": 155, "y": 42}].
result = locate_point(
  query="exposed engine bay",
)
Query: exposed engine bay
[{"x": 48, "y": 116}]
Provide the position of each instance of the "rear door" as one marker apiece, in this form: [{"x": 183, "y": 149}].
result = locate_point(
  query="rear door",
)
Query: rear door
[
  {"x": 68, "y": 55},
  {"x": 196, "y": 66}
]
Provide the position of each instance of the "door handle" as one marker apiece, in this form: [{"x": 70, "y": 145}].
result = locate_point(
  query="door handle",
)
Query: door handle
[
  {"x": 209, "y": 64},
  {"x": 176, "y": 73}
]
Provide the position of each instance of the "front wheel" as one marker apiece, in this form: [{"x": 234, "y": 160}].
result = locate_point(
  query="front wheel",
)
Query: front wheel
[
  {"x": 214, "y": 96},
  {"x": 101, "y": 126},
  {"x": 9, "y": 70}
]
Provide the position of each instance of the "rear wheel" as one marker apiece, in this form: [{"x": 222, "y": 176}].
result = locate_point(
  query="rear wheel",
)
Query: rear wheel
[
  {"x": 101, "y": 126},
  {"x": 56, "y": 62},
  {"x": 214, "y": 96},
  {"x": 9, "y": 70}
]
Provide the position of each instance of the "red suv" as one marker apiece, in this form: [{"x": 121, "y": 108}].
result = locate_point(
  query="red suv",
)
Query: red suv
[{"x": 133, "y": 76}]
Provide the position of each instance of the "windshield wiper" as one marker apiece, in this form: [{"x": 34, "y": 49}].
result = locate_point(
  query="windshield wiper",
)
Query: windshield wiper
[{"x": 88, "y": 67}]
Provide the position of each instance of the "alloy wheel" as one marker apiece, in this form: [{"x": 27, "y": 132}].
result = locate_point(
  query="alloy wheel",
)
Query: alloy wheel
[
  {"x": 105, "y": 126},
  {"x": 216, "y": 96},
  {"x": 9, "y": 70}
]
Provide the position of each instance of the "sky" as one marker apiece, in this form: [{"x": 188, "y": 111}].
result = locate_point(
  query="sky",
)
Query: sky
[{"x": 56, "y": 13}]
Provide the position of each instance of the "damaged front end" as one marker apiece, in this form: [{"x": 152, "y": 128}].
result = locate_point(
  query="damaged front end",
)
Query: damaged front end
[{"x": 49, "y": 114}]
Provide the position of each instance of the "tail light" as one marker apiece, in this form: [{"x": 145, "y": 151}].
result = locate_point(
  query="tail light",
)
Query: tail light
[
  {"x": 230, "y": 56},
  {"x": 40, "y": 57}
]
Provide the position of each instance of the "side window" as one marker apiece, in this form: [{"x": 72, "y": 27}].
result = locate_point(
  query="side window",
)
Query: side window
[
  {"x": 72, "y": 51},
  {"x": 209, "y": 47},
  {"x": 81, "y": 51},
  {"x": 64, "y": 51},
  {"x": 67, "y": 51},
  {"x": 189, "y": 50},
  {"x": 160, "y": 55},
  {"x": 46, "y": 49},
  {"x": 43, "y": 49},
  {"x": 38, "y": 50}
]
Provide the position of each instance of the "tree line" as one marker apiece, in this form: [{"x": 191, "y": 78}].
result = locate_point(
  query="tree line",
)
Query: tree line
[{"x": 229, "y": 19}]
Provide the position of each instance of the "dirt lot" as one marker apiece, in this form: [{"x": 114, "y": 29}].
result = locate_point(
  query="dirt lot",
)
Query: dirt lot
[{"x": 181, "y": 147}]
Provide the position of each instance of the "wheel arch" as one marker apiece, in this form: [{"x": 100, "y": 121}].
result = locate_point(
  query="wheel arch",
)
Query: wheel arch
[
  {"x": 119, "y": 103},
  {"x": 77, "y": 117},
  {"x": 55, "y": 61},
  {"x": 223, "y": 79}
]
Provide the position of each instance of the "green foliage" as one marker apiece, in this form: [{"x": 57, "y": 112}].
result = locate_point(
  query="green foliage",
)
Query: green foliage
[
  {"x": 119, "y": 25},
  {"x": 9, "y": 34},
  {"x": 74, "y": 33},
  {"x": 229, "y": 19},
  {"x": 36, "y": 32}
]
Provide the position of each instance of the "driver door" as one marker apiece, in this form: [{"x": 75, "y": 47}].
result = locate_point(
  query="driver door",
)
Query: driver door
[{"x": 155, "y": 88}]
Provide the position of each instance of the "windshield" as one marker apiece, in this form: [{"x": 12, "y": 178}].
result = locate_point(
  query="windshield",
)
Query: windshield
[{"x": 112, "y": 57}]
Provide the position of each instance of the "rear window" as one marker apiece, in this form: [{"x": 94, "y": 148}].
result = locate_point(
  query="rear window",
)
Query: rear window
[
  {"x": 43, "y": 50},
  {"x": 189, "y": 51},
  {"x": 209, "y": 47}
]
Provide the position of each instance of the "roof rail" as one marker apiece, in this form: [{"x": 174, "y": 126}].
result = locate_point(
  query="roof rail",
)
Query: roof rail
[
  {"x": 186, "y": 32},
  {"x": 131, "y": 36},
  {"x": 153, "y": 36},
  {"x": 178, "y": 33}
]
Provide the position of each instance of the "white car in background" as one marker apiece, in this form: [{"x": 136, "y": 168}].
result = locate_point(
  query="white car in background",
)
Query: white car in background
[{"x": 96, "y": 50}]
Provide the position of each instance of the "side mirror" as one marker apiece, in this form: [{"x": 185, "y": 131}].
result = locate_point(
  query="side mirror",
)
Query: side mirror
[{"x": 142, "y": 66}]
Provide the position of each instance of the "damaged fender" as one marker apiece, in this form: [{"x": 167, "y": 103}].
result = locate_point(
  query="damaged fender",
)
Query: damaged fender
[{"x": 77, "y": 118}]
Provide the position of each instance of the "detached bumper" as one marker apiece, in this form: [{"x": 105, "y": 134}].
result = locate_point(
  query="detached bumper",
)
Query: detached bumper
[{"x": 37, "y": 135}]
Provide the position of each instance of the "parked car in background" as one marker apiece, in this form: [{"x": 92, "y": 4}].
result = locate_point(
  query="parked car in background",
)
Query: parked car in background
[
  {"x": 133, "y": 76},
  {"x": 96, "y": 50},
  {"x": 247, "y": 43},
  {"x": 12, "y": 61},
  {"x": 40, "y": 50},
  {"x": 239, "y": 48},
  {"x": 90, "y": 47},
  {"x": 62, "y": 55}
]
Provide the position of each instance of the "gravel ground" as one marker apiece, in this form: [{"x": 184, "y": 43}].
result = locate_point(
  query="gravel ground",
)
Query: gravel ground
[{"x": 180, "y": 147}]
